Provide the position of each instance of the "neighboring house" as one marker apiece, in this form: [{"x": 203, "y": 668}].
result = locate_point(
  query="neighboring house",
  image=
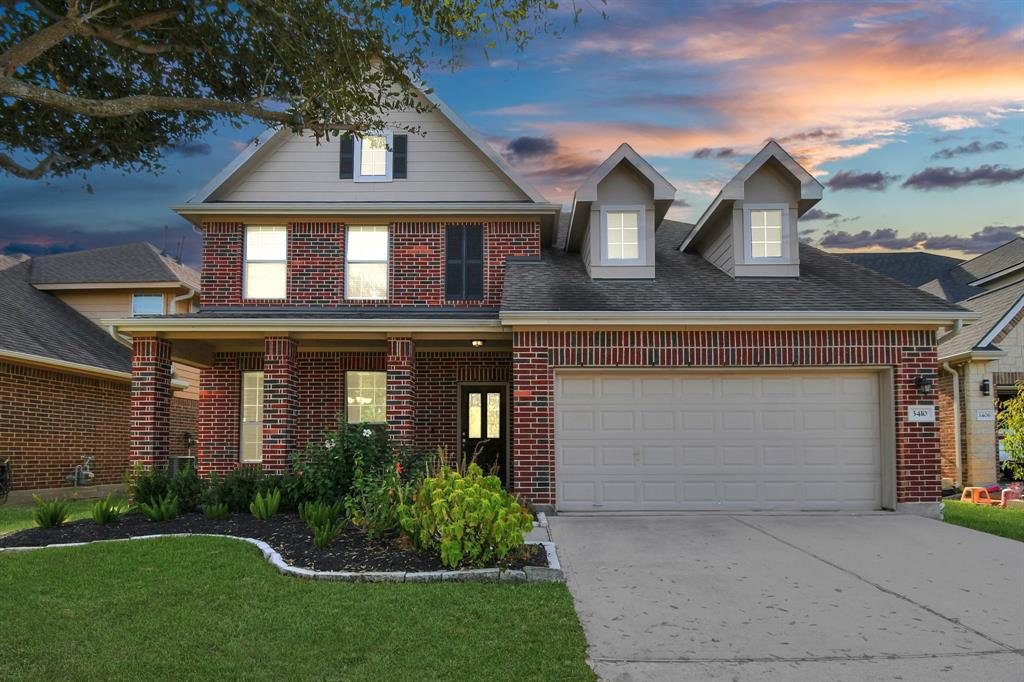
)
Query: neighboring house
[
  {"x": 65, "y": 381},
  {"x": 622, "y": 362},
  {"x": 913, "y": 268}
]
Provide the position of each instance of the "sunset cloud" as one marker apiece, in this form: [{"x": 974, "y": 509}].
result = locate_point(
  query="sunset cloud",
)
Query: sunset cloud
[
  {"x": 948, "y": 177},
  {"x": 972, "y": 148},
  {"x": 875, "y": 181},
  {"x": 956, "y": 122},
  {"x": 818, "y": 214},
  {"x": 888, "y": 239}
]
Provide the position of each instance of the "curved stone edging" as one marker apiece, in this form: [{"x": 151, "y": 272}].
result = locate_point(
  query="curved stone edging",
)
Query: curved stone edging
[{"x": 535, "y": 574}]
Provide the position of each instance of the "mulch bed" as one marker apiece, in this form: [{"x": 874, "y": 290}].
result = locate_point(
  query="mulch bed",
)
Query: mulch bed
[{"x": 286, "y": 533}]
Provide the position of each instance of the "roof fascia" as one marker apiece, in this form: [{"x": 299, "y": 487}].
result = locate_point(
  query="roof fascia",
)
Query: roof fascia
[
  {"x": 990, "y": 336},
  {"x": 59, "y": 286},
  {"x": 735, "y": 318},
  {"x": 258, "y": 325},
  {"x": 65, "y": 365},
  {"x": 996, "y": 275},
  {"x": 974, "y": 355}
]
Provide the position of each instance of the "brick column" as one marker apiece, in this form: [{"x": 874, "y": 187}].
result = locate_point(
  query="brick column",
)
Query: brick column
[
  {"x": 151, "y": 401},
  {"x": 401, "y": 365},
  {"x": 280, "y": 402},
  {"x": 533, "y": 406}
]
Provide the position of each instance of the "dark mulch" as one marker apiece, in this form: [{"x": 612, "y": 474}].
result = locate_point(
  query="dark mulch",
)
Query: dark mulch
[{"x": 286, "y": 533}]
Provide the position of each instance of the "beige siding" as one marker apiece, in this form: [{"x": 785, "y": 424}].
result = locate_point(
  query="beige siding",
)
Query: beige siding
[
  {"x": 1013, "y": 344},
  {"x": 443, "y": 166},
  {"x": 189, "y": 374},
  {"x": 718, "y": 247}
]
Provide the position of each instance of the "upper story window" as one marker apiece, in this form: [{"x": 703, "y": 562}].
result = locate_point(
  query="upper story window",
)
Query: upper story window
[
  {"x": 373, "y": 157},
  {"x": 266, "y": 262},
  {"x": 147, "y": 304},
  {"x": 464, "y": 263},
  {"x": 765, "y": 233},
  {"x": 622, "y": 237},
  {"x": 366, "y": 263}
]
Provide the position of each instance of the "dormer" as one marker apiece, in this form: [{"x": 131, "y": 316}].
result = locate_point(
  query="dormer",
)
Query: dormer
[
  {"x": 750, "y": 229},
  {"x": 615, "y": 213}
]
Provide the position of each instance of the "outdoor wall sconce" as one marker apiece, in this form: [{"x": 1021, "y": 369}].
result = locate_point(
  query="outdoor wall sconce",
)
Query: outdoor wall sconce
[
  {"x": 924, "y": 384},
  {"x": 477, "y": 343},
  {"x": 986, "y": 387}
]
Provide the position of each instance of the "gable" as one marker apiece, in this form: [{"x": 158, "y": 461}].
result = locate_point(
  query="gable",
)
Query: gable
[{"x": 443, "y": 165}]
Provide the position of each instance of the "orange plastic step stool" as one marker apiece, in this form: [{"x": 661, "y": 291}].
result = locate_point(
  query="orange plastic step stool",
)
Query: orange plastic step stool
[{"x": 977, "y": 496}]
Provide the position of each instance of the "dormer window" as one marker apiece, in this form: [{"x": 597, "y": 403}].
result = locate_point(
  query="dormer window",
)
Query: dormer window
[
  {"x": 766, "y": 238},
  {"x": 622, "y": 234}
]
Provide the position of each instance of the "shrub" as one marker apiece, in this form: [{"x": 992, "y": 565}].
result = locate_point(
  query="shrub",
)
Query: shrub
[
  {"x": 238, "y": 488},
  {"x": 1011, "y": 423},
  {"x": 376, "y": 496},
  {"x": 188, "y": 488},
  {"x": 50, "y": 513},
  {"x": 318, "y": 513},
  {"x": 147, "y": 486},
  {"x": 468, "y": 519},
  {"x": 325, "y": 533},
  {"x": 164, "y": 509},
  {"x": 107, "y": 511},
  {"x": 215, "y": 512},
  {"x": 265, "y": 506},
  {"x": 324, "y": 470}
]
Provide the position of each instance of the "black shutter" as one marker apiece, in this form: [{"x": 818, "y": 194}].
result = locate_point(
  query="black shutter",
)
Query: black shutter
[
  {"x": 399, "y": 157},
  {"x": 347, "y": 157},
  {"x": 464, "y": 263}
]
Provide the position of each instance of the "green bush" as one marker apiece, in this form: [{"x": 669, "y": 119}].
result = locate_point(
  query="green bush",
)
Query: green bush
[
  {"x": 468, "y": 519},
  {"x": 238, "y": 488},
  {"x": 376, "y": 497},
  {"x": 107, "y": 511},
  {"x": 164, "y": 509},
  {"x": 318, "y": 513},
  {"x": 188, "y": 488},
  {"x": 215, "y": 512},
  {"x": 325, "y": 533},
  {"x": 147, "y": 486},
  {"x": 50, "y": 513},
  {"x": 265, "y": 506}
]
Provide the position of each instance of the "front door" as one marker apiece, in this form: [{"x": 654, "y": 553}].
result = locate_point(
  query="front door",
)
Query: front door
[{"x": 484, "y": 429}]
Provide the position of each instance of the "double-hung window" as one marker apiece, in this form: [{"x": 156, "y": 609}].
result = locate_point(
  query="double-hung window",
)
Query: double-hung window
[
  {"x": 464, "y": 263},
  {"x": 622, "y": 234},
  {"x": 764, "y": 233},
  {"x": 266, "y": 262},
  {"x": 251, "y": 440},
  {"x": 366, "y": 397},
  {"x": 374, "y": 157},
  {"x": 147, "y": 304},
  {"x": 366, "y": 263}
]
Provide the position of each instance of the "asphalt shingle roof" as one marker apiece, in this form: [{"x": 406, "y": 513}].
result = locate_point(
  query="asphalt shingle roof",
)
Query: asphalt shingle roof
[
  {"x": 913, "y": 268},
  {"x": 34, "y": 322},
  {"x": 139, "y": 262},
  {"x": 338, "y": 313},
  {"x": 992, "y": 305},
  {"x": 954, "y": 284},
  {"x": 687, "y": 282}
]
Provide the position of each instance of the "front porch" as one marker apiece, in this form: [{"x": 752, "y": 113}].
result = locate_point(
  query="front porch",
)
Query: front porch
[{"x": 264, "y": 397}]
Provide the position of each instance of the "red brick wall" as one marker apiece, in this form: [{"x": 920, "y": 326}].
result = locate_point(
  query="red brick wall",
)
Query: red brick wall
[
  {"x": 537, "y": 354},
  {"x": 219, "y": 405},
  {"x": 50, "y": 419},
  {"x": 322, "y": 388},
  {"x": 316, "y": 263},
  {"x": 401, "y": 391},
  {"x": 151, "y": 401},
  {"x": 184, "y": 419},
  {"x": 280, "y": 401}
]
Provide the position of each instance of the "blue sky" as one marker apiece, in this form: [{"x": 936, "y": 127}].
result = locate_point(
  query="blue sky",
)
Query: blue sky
[{"x": 911, "y": 114}]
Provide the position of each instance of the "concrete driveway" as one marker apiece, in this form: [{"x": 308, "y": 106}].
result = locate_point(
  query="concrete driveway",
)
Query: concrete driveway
[{"x": 794, "y": 597}]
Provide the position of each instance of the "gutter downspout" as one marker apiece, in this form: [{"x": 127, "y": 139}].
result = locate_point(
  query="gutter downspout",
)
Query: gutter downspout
[
  {"x": 958, "y": 327},
  {"x": 187, "y": 297},
  {"x": 956, "y": 421}
]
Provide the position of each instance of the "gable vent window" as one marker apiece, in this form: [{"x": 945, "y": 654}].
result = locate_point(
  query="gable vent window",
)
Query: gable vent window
[
  {"x": 381, "y": 157},
  {"x": 464, "y": 263},
  {"x": 766, "y": 233},
  {"x": 266, "y": 262}
]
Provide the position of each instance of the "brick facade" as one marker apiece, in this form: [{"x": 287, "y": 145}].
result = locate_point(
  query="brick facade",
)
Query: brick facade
[
  {"x": 401, "y": 392},
  {"x": 536, "y": 355},
  {"x": 280, "y": 402},
  {"x": 151, "y": 401},
  {"x": 316, "y": 263}
]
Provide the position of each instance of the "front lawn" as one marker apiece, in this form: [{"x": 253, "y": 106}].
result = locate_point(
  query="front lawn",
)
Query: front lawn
[
  {"x": 212, "y": 608},
  {"x": 1009, "y": 523},
  {"x": 17, "y": 517}
]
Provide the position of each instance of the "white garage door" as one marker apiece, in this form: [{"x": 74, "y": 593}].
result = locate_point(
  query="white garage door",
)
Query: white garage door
[{"x": 632, "y": 441}]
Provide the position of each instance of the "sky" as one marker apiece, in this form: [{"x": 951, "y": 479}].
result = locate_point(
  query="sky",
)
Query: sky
[{"x": 910, "y": 113}]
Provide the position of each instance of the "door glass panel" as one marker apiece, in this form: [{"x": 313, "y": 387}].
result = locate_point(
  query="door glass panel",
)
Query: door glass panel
[
  {"x": 493, "y": 415},
  {"x": 475, "y": 415}
]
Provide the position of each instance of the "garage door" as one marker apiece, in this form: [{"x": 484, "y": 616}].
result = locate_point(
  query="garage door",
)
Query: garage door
[{"x": 717, "y": 441}]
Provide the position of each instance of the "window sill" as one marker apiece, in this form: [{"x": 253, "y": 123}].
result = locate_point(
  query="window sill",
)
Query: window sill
[{"x": 371, "y": 178}]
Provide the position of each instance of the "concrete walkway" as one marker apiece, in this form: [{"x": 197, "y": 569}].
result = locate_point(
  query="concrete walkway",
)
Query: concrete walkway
[{"x": 794, "y": 597}]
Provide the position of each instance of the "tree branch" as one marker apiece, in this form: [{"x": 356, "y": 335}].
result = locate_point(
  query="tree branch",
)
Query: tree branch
[{"x": 8, "y": 164}]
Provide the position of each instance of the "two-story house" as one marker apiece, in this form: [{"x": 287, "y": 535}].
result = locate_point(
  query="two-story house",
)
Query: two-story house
[
  {"x": 607, "y": 359},
  {"x": 64, "y": 379}
]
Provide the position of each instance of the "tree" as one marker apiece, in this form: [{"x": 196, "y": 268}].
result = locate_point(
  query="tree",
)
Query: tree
[
  {"x": 1011, "y": 421},
  {"x": 115, "y": 82}
]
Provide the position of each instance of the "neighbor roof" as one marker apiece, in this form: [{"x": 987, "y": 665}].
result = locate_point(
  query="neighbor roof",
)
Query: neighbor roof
[
  {"x": 955, "y": 284},
  {"x": 997, "y": 308},
  {"x": 913, "y": 268},
  {"x": 127, "y": 263},
  {"x": 35, "y": 323},
  {"x": 686, "y": 282}
]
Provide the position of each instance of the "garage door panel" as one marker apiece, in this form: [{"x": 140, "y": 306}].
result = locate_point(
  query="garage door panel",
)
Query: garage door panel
[{"x": 718, "y": 441}]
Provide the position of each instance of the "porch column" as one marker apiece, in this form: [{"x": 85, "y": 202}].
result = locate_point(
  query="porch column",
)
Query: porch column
[
  {"x": 151, "y": 401},
  {"x": 280, "y": 402},
  {"x": 401, "y": 391}
]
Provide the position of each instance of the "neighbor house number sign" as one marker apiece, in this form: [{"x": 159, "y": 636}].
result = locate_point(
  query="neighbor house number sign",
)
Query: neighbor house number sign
[{"x": 921, "y": 413}]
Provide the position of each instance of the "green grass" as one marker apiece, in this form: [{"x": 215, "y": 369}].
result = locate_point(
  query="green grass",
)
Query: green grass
[
  {"x": 213, "y": 608},
  {"x": 1009, "y": 523},
  {"x": 19, "y": 517}
]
